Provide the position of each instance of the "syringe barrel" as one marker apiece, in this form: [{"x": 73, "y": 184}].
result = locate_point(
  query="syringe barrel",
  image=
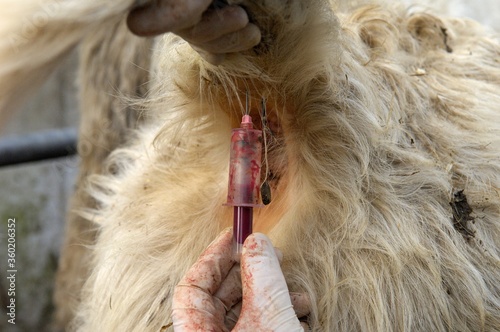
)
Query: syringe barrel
[{"x": 244, "y": 167}]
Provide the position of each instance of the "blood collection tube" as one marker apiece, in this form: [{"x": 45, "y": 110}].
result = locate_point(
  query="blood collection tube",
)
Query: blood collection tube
[{"x": 244, "y": 179}]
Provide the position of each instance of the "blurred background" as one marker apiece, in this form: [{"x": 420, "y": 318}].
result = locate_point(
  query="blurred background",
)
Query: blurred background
[{"x": 37, "y": 194}]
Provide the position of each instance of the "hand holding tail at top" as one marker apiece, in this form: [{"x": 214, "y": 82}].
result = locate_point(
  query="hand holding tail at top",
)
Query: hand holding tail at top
[{"x": 211, "y": 30}]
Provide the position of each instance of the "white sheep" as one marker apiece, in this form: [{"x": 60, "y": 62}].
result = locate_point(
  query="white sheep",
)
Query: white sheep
[{"x": 383, "y": 158}]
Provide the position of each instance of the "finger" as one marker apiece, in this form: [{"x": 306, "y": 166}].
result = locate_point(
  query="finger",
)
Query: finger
[
  {"x": 193, "y": 308},
  {"x": 238, "y": 41},
  {"x": 193, "y": 304},
  {"x": 301, "y": 304},
  {"x": 259, "y": 260},
  {"x": 266, "y": 299},
  {"x": 229, "y": 291},
  {"x": 213, "y": 265},
  {"x": 166, "y": 15},
  {"x": 215, "y": 24}
]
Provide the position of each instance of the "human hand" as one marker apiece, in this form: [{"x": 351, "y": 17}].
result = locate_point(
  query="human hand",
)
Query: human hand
[
  {"x": 212, "y": 288},
  {"x": 212, "y": 30}
]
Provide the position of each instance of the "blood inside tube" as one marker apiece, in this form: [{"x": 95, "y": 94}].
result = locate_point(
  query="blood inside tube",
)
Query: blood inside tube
[
  {"x": 244, "y": 179},
  {"x": 244, "y": 167},
  {"x": 243, "y": 223}
]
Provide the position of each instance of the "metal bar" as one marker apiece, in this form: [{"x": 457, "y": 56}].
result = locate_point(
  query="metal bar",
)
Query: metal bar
[{"x": 38, "y": 146}]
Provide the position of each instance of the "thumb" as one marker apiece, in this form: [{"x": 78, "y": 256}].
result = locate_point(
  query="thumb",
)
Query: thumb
[{"x": 266, "y": 299}]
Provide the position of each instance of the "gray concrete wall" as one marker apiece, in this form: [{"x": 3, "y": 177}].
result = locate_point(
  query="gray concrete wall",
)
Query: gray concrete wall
[{"x": 36, "y": 195}]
